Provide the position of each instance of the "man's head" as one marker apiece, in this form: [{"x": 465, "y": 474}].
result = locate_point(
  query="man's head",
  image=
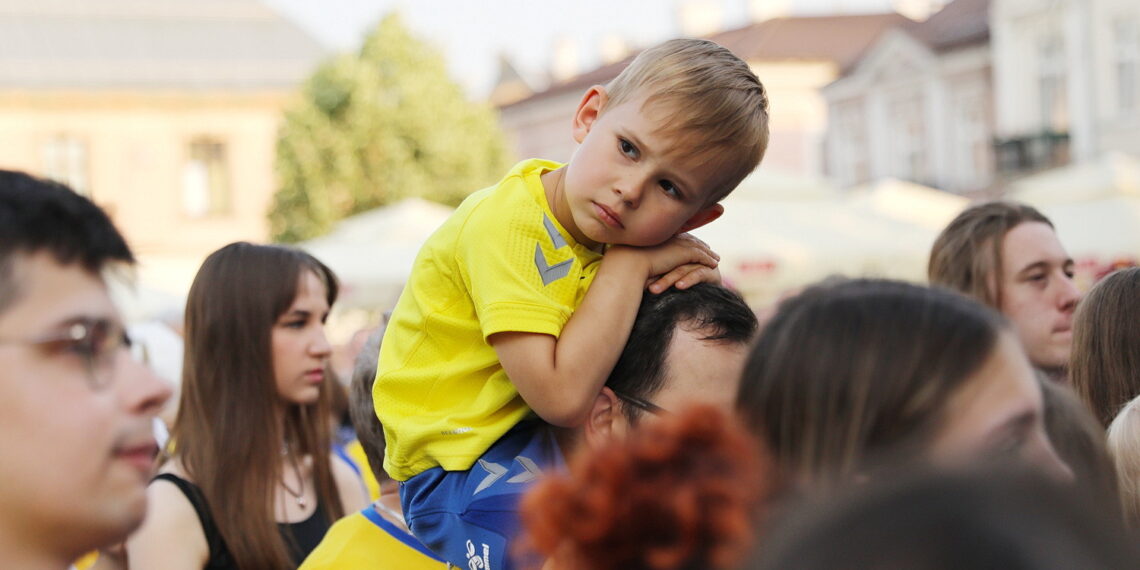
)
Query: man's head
[
  {"x": 76, "y": 448},
  {"x": 361, "y": 410},
  {"x": 661, "y": 144},
  {"x": 687, "y": 346},
  {"x": 1008, "y": 256}
]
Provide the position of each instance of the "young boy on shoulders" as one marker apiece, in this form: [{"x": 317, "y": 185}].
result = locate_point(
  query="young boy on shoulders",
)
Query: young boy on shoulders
[{"x": 512, "y": 315}]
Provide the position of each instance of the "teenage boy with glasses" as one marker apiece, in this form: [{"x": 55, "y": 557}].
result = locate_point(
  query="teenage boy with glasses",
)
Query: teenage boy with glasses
[{"x": 76, "y": 445}]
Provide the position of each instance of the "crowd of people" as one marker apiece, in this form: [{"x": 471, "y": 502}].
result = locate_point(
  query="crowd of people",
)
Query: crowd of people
[{"x": 565, "y": 384}]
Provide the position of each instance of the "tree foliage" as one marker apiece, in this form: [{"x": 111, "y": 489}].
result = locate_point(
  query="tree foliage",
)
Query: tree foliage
[{"x": 375, "y": 127}]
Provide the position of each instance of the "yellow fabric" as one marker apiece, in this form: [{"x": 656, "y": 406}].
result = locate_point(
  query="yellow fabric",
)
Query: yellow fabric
[
  {"x": 88, "y": 560},
  {"x": 356, "y": 542},
  {"x": 356, "y": 452},
  {"x": 440, "y": 391}
]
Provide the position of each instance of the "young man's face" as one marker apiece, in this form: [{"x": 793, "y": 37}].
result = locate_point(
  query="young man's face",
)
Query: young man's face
[
  {"x": 628, "y": 183},
  {"x": 75, "y": 458},
  {"x": 1037, "y": 292}
]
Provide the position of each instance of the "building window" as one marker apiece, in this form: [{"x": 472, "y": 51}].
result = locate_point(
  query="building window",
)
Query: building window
[
  {"x": 973, "y": 161},
  {"x": 206, "y": 180},
  {"x": 1128, "y": 66},
  {"x": 851, "y": 147},
  {"x": 1053, "y": 85},
  {"x": 908, "y": 141},
  {"x": 65, "y": 161}
]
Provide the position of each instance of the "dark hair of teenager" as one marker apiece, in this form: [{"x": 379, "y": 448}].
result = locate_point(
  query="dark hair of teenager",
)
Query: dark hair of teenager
[
  {"x": 990, "y": 517},
  {"x": 716, "y": 312},
  {"x": 1105, "y": 364},
  {"x": 227, "y": 434},
  {"x": 681, "y": 493},
  {"x": 41, "y": 215},
  {"x": 848, "y": 374},
  {"x": 369, "y": 430},
  {"x": 966, "y": 256}
]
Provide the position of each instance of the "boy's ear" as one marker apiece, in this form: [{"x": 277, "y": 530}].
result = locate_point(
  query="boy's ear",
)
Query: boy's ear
[
  {"x": 702, "y": 217},
  {"x": 589, "y": 109}
]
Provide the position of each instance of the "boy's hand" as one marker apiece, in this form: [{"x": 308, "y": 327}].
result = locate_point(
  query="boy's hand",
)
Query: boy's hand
[
  {"x": 685, "y": 276},
  {"x": 679, "y": 251}
]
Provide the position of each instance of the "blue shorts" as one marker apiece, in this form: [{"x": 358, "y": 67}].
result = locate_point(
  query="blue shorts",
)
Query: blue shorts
[{"x": 470, "y": 518}]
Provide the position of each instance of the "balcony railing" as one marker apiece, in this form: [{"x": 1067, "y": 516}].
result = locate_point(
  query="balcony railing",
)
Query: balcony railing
[{"x": 1030, "y": 153}]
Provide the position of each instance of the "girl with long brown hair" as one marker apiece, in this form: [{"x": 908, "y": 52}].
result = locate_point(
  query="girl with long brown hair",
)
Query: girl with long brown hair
[
  {"x": 1105, "y": 370},
  {"x": 250, "y": 481}
]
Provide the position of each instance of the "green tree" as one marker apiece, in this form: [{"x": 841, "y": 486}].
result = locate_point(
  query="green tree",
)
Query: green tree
[{"x": 376, "y": 127}]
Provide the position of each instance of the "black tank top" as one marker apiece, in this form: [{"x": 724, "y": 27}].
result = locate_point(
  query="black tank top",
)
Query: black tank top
[{"x": 301, "y": 537}]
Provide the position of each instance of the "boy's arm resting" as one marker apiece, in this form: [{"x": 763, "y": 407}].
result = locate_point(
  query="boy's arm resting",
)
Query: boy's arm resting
[
  {"x": 560, "y": 377},
  {"x": 685, "y": 276}
]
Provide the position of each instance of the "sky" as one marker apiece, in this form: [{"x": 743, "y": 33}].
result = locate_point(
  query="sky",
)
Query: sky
[{"x": 472, "y": 34}]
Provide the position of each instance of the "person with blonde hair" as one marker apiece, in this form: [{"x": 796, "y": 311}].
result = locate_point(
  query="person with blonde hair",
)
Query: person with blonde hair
[
  {"x": 1105, "y": 369},
  {"x": 514, "y": 318},
  {"x": 250, "y": 480},
  {"x": 1007, "y": 255},
  {"x": 1124, "y": 447}
]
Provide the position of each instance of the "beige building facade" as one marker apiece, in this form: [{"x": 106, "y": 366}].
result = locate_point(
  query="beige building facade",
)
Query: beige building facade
[
  {"x": 1067, "y": 81},
  {"x": 918, "y": 106},
  {"x": 164, "y": 113}
]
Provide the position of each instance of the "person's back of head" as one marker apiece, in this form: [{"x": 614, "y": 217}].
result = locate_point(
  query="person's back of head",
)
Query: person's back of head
[
  {"x": 1008, "y": 520},
  {"x": 360, "y": 407},
  {"x": 682, "y": 493},
  {"x": 718, "y": 107},
  {"x": 966, "y": 256},
  {"x": 850, "y": 374},
  {"x": 1105, "y": 365},
  {"x": 715, "y": 313}
]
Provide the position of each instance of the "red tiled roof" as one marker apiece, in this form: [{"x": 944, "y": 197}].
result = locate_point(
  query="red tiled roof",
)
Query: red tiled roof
[
  {"x": 841, "y": 39},
  {"x": 960, "y": 23}
]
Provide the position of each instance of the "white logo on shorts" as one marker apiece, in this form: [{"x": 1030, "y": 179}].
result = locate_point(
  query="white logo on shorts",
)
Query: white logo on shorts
[{"x": 476, "y": 562}]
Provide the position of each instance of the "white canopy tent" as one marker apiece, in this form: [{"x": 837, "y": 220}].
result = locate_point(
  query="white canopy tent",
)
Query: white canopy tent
[
  {"x": 372, "y": 252},
  {"x": 781, "y": 232},
  {"x": 1095, "y": 206}
]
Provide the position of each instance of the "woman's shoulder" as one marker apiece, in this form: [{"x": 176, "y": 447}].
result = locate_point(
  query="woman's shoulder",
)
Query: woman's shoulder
[{"x": 172, "y": 527}]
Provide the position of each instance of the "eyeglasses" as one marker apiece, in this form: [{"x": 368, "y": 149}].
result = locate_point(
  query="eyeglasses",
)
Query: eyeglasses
[
  {"x": 643, "y": 405},
  {"x": 97, "y": 341}
]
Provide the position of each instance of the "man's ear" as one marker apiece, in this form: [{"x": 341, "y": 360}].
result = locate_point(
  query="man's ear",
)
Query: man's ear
[
  {"x": 605, "y": 420},
  {"x": 702, "y": 217},
  {"x": 589, "y": 109}
]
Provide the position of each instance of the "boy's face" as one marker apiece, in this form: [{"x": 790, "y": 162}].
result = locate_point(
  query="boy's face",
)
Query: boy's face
[
  {"x": 76, "y": 456},
  {"x": 629, "y": 182}
]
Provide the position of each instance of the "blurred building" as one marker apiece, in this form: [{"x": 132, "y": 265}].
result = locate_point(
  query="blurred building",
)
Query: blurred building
[
  {"x": 1066, "y": 80},
  {"x": 165, "y": 112},
  {"x": 918, "y": 105},
  {"x": 794, "y": 57}
]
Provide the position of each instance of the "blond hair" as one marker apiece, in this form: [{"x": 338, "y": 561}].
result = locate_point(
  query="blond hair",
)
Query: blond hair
[
  {"x": 1124, "y": 447},
  {"x": 716, "y": 104},
  {"x": 966, "y": 256}
]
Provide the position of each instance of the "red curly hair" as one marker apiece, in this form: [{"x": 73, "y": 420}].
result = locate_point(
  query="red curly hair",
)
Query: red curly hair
[{"x": 683, "y": 492}]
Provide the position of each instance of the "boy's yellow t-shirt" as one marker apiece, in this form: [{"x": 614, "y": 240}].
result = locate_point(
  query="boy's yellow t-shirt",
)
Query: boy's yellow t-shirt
[{"x": 500, "y": 263}]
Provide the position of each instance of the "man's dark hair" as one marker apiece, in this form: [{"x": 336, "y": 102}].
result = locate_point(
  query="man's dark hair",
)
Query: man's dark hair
[
  {"x": 716, "y": 312},
  {"x": 41, "y": 215}
]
